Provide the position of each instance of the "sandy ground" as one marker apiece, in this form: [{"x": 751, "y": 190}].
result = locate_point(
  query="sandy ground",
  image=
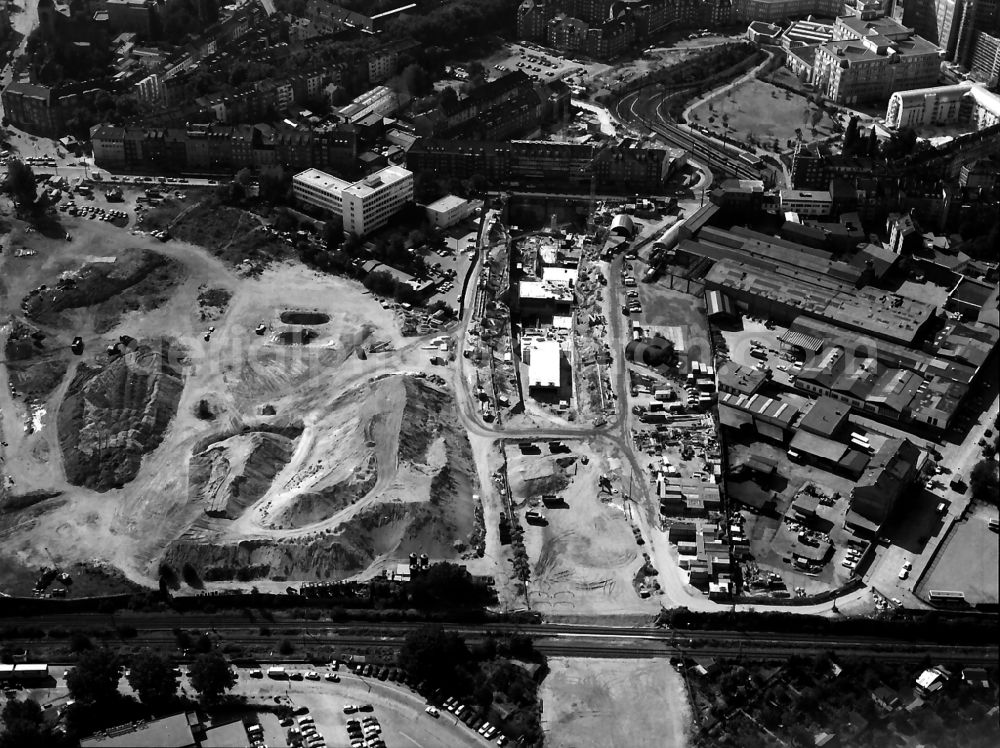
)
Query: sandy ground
[
  {"x": 584, "y": 560},
  {"x": 237, "y": 371},
  {"x": 614, "y": 704}
]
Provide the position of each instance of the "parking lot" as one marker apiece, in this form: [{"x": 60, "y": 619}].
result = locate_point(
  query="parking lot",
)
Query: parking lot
[
  {"x": 400, "y": 712},
  {"x": 540, "y": 64}
]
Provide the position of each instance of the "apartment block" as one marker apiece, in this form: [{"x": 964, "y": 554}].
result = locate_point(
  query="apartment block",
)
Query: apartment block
[
  {"x": 870, "y": 59},
  {"x": 943, "y": 105}
]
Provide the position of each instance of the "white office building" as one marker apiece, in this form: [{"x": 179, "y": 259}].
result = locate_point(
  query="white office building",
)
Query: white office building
[
  {"x": 365, "y": 205},
  {"x": 806, "y": 203},
  {"x": 448, "y": 211}
]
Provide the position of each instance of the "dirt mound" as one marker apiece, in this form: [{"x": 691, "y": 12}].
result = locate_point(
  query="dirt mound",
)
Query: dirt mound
[
  {"x": 35, "y": 362},
  {"x": 233, "y": 473},
  {"x": 138, "y": 279},
  {"x": 315, "y": 506},
  {"x": 534, "y": 477},
  {"x": 113, "y": 415},
  {"x": 397, "y": 477}
]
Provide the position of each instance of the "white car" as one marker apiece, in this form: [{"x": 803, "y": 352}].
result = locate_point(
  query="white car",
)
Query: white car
[
  {"x": 432, "y": 710},
  {"x": 312, "y": 674}
]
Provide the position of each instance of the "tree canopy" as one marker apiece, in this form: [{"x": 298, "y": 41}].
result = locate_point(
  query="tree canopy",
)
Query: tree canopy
[
  {"x": 20, "y": 183},
  {"x": 24, "y": 727},
  {"x": 94, "y": 679},
  {"x": 152, "y": 678},
  {"x": 435, "y": 655},
  {"x": 211, "y": 676}
]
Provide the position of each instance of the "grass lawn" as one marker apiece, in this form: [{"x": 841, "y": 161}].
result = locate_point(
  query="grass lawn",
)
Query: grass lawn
[{"x": 764, "y": 111}]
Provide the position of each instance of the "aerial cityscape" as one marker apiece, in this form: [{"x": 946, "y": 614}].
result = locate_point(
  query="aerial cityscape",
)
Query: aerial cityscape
[{"x": 454, "y": 373}]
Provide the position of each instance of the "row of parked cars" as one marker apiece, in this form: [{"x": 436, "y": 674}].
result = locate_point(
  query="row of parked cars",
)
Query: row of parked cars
[
  {"x": 468, "y": 716},
  {"x": 304, "y": 733},
  {"x": 365, "y": 734}
]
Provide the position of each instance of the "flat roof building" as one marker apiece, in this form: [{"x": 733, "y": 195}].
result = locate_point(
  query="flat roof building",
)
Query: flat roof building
[
  {"x": 783, "y": 293},
  {"x": 447, "y": 211},
  {"x": 544, "y": 365},
  {"x": 231, "y": 735},
  {"x": 737, "y": 379},
  {"x": 827, "y": 417},
  {"x": 170, "y": 732},
  {"x": 365, "y": 205}
]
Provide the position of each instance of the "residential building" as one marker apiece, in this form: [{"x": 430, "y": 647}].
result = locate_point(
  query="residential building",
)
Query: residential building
[
  {"x": 535, "y": 165},
  {"x": 870, "y": 59},
  {"x": 223, "y": 148},
  {"x": 770, "y": 11},
  {"x": 138, "y": 16},
  {"x": 44, "y": 110},
  {"x": 985, "y": 63},
  {"x": 365, "y": 205},
  {"x": 532, "y": 17},
  {"x": 943, "y": 105}
]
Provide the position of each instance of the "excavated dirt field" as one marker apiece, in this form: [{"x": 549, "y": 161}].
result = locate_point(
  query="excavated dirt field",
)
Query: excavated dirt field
[
  {"x": 220, "y": 446},
  {"x": 388, "y": 472},
  {"x": 584, "y": 558},
  {"x": 614, "y": 704}
]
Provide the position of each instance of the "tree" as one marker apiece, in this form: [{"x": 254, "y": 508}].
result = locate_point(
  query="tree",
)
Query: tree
[
  {"x": 446, "y": 585},
  {"x": 435, "y": 655},
  {"x": 449, "y": 96},
  {"x": 21, "y": 183},
  {"x": 94, "y": 679},
  {"x": 152, "y": 678},
  {"x": 985, "y": 481},
  {"x": 211, "y": 676},
  {"x": 23, "y": 726},
  {"x": 416, "y": 81},
  {"x": 191, "y": 576}
]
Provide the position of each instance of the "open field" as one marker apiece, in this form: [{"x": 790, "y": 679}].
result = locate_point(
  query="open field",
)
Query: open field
[
  {"x": 968, "y": 560},
  {"x": 198, "y": 439},
  {"x": 759, "y": 110},
  {"x": 584, "y": 559},
  {"x": 614, "y": 704}
]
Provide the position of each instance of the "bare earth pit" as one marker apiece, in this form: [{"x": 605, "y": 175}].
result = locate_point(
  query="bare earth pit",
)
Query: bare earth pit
[{"x": 304, "y": 318}]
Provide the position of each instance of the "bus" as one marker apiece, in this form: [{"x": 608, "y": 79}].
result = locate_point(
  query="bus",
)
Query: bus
[{"x": 946, "y": 596}]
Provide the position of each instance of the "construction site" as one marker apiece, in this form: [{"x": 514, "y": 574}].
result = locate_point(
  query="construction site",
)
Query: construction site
[
  {"x": 161, "y": 406},
  {"x": 169, "y": 407}
]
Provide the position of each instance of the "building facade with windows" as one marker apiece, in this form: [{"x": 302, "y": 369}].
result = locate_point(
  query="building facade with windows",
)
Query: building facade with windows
[{"x": 365, "y": 205}]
